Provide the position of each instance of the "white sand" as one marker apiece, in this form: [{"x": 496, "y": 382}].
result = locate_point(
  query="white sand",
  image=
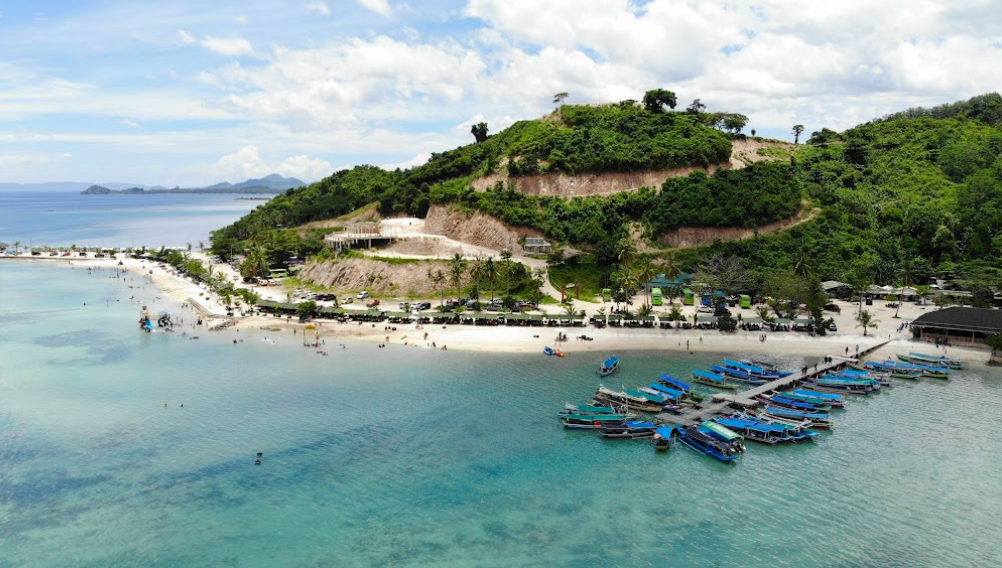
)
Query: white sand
[{"x": 530, "y": 339}]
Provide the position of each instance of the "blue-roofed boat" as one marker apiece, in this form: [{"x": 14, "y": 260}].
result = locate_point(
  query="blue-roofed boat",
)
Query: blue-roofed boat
[
  {"x": 926, "y": 370},
  {"x": 925, "y": 359},
  {"x": 738, "y": 375},
  {"x": 842, "y": 386},
  {"x": 629, "y": 430},
  {"x": 712, "y": 380},
  {"x": 832, "y": 398},
  {"x": 723, "y": 434},
  {"x": 763, "y": 432},
  {"x": 593, "y": 422},
  {"x": 832, "y": 402},
  {"x": 672, "y": 382},
  {"x": 705, "y": 444},
  {"x": 589, "y": 410},
  {"x": 785, "y": 402},
  {"x": 752, "y": 370},
  {"x": 766, "y": 368},
  {"x": 662, "y": 438},
  {"x": 817, "y": 419},
  {"x": 610, "y": 366},
  {"x": 549, "y": 351},
  {"x": 864, "y": 377}
]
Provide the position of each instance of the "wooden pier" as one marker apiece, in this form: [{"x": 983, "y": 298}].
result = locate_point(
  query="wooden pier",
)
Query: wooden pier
[{"x": 746, "y": 399}]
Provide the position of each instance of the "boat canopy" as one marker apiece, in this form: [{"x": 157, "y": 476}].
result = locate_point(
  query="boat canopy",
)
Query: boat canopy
[
  {"x": 824, "y": 395},
  {"x": 680, "y": 384},
  {"x": 598, "y": 418},
  {"x": 796, "y": 413},
  {"x": 722, "y": 431},
  {"x": 664, "y": 431},
  {"x": 710, "y": 376},
  {"x": 597, "y": 409},
  {"x": 610, "y": 362},
  {"x": 650, "y": 397},
  {"x": 667, "y": 391}
]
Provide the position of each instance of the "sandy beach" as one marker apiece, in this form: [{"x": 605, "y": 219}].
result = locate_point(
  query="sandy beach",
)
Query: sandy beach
[{"x": 203, "y": 303}]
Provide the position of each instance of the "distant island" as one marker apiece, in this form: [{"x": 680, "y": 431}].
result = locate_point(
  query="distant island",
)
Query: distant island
[{"x": 271, "y": 184}]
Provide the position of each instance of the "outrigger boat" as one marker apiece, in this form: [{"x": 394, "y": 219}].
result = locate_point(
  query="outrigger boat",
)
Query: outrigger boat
[
  {"x": 759, "y": 431},
  {"x": 595, "y": 422},
  {"x": 926, "y": 370},
  {"x": 859, "y": 376},
  {"x": 891, "y": 371},
  {"x": 832, "y": 399},
  {"x": 817, "y": 401},
  {"x": 587, "y": 410},
  {"x": 792, "y": 423},
  {"x": 817, "y": 419},
  {"x": 779, "y": 400},
  {"x": 630, "y": 430},
  {"x": 724, "y": 434},
  {"x": 843, "y": 385},
  {"x": 755, "y": 371},
  {"x": 610, "y": 366},
  {"x": 712, "y": 380},
  {"x": 632, "y": 400},
  {"x": 662, "y": 438},
  {"x": 672, "y": 382},
  {"x": 705, "y": 444},
  {"x": 739, "y": 375},
  {"x": 674, "y": 395},
  {"x": 924, "y": 359},
  {"x": 765, "y": 367}
]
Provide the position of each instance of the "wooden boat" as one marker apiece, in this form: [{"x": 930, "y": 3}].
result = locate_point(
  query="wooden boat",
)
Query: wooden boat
[
  {"x": 924, "y": 359},
  {"x": 589, "y": 410},
  {"x": 705, "y": 444},
  {"x": 794, "y": 404},
  {"x": 712, "y": 380},
  {"x": 834, "y": 403},
  {"x": 549, "y": 351},
  {"x": 765, "y": 367},
  {"x": 817, "y": 419},
  {"x": 610, "y": 366},
  {"x": 738, "y": 375},
  {"x": 724, "y": 434},
  {"x": 662, "y": 438},
  {"x": 629, "y": 430},
  {"x": 832, "y": 399},
  {"x": 753, "y": 370},
  {"x": 843, "y": 385},
  {"x": 764, "y": 432},
  {"x": 631, "y": 400},
  {"x": 860, "y": 376},
  {"x": 926, "y": 370},
  {"x": 673, "y": 383},
  {"x": 595, "y": 422}
]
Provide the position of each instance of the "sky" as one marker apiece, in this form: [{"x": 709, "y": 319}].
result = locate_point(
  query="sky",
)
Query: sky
[{"x": 179, "y": 92}]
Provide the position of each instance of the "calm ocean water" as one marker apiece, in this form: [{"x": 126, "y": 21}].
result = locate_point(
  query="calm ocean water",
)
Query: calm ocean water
[
  {"x": 65, "y": 219},
  {"x": 406, "y": 457}
]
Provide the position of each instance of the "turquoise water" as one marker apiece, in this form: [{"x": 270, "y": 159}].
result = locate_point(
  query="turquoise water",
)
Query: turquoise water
[
  {"x": 65, "y": 219},
  {"x": 408, "y": 457}
]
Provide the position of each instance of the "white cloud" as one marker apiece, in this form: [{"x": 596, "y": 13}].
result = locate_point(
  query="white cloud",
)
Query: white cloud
[
  {"x": 247, "y": 163},
  {"x": 228, "y": 46},
  {"x": 15, "y": 160},
  {"x": 417, "y": 160},
  {"x": 381, "y": 7},
  {"x": 319, "y": 8},
  {"x": 242, "y": 20},
  {"x": 186, "y": 38},
  {"x": 130, "y": 123}
]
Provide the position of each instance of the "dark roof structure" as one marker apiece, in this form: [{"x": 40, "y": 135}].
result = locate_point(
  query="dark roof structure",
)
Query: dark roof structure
[{"x": 981, "y": 320}]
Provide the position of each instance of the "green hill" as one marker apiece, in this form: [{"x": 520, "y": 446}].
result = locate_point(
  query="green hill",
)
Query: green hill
[{"x": 921, "y": 188}]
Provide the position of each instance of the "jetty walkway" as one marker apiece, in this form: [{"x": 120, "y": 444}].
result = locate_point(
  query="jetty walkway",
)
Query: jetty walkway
[{"x": 746, "y": 399}]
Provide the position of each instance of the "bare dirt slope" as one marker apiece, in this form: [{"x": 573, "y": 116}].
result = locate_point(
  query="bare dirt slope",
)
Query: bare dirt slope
[
  {"x": 743, "y": 153},
  {"x": 696, "y": 236},
  {"x": 476, "y": 228},
  {"x": 382, "y": 278}
]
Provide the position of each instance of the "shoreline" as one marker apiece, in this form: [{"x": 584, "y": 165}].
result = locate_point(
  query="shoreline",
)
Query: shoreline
[{"x": 503, "y": 339}]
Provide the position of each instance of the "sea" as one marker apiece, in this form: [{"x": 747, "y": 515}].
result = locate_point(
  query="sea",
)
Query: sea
[
  {"x": 63, "y": 219},
  {"x": 120, "y": 448}
]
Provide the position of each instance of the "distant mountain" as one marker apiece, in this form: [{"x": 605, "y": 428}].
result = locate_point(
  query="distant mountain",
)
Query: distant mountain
[{"x": 273, "y": 181}]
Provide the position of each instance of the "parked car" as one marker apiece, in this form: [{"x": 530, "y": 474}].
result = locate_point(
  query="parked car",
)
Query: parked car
[
  {"x": 424, "y": 305},
  {"x": 372, "y": 303},
  {"x": 833, "y": 308},
  {"x": 362, "y": 295},
  {"x": 348, "y": 300},
  {"x": 705, "y": 310}
]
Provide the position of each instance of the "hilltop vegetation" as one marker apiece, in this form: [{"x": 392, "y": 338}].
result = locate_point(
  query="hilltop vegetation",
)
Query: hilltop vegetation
[{"x": 917, "y": 192}]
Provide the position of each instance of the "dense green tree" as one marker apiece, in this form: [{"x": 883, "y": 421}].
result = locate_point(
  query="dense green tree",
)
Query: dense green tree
[
  {"x": 798, "y": 129},
  {"x": 656, "y": 100},
  {"x": 479, "y": 131}
]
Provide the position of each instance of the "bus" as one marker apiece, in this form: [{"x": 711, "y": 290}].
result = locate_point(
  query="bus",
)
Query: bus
[
  {"x": 656, "y": 296},
  {"x": 687, "y": 297},
  {"x": 745, "y": 301}
]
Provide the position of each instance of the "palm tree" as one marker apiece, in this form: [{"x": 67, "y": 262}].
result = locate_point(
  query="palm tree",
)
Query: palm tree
[
  {"x": 645, "y": 272},
  {"x": 201, "y": 246},
  {"x": 906, "y": 277},
  {"x": 491, "y": 273},
  {"x": 437, "y": 279},
  {"x": 569, "y": 308},
  {"x": 627, "y": 251},
  {"x": 866, "y": 320},
  {"x": 17, "y": 247},
  {"x": 506, "y": 259},
  {"x": 763, "y": 314},
  {"x": 456, "y": 270},
  {"x": 477, "y": 273},
  {"x": 189, "y": 250},
  {"x": 644, "y": 310},
  {"x": 675, "y": 314},
  {"x": 802, "y": 264}
]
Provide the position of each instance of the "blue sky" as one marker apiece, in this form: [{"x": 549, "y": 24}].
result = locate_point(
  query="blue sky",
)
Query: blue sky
[{"x": 191, "y": 93}]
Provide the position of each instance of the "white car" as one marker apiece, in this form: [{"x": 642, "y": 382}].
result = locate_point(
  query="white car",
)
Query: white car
[{"x": 362, "y": 295}]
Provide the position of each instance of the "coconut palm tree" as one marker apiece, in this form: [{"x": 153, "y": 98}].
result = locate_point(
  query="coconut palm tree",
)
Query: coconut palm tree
[
  {"x": 491, "y": 274},
  {"x": 763, "y": 313},
  {"x": 569, "y": 308},
  {"x": 506, "y": 261},
  {"x": 675, "y": 314},
  {"x": 866, "y": 320},
  {"x": 457, "y": 269},
  {"x": 437, "y": 279},
  {"x": 644, "y": 272},
  {"x": 626, "y": 251},
  {"x": 17, "y": 247},
  {"x": 906, "y": 278},
  {"x": 477, "y": 273}
]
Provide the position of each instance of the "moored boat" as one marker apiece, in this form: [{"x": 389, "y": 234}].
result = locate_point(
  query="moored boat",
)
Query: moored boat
[
  {"x": 724, "y": 434},
  {"x": 785, "y": 402},
  {"x": 662, "y": 438},
  {"x": 764, "y": 432},
  {"x": 705, "y": 444},
  {"x": 630, "y": 399},
  {"x": 738, "y": 375},
  {"x": 672, "y": 382},
  {"x": 630, "y": 430},
  {"x": 593, "y": 422},
  {"x": 609, "y": 366},
  {"x": 925, "y": 359},
  {"x": 713, "y": 380},
  {"x": 817, "y": 419},
  {"x": 832, "y": 402}
]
